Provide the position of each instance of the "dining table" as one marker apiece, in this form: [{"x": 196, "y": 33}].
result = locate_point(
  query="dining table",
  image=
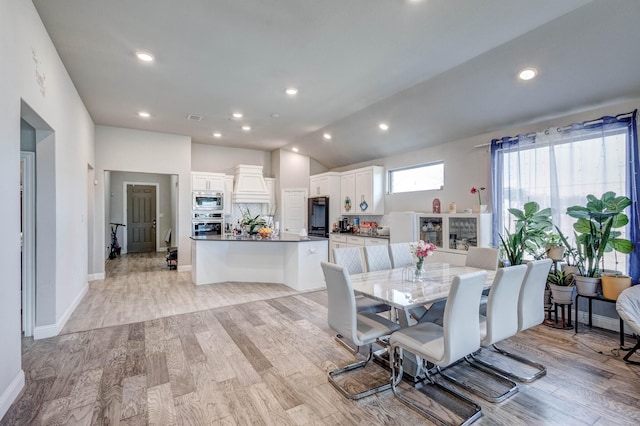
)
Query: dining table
[{"x": 396, "y": 288}]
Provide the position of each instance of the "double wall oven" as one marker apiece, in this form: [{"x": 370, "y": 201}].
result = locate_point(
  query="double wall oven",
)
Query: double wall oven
[
  {"x": 205, "y": 224},
  {"x": 207, "y": 214}
]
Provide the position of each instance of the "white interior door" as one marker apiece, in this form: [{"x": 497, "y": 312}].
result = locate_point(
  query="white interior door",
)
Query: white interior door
[{"x": 294, "y": 210}]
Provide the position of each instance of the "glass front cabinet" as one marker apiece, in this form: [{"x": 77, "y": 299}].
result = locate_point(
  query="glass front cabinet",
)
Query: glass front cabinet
[{"x": 455, "y": 232}]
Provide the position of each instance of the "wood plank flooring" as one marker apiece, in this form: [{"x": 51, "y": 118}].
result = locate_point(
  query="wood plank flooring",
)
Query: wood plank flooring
[
  {"x": 265, "y": 362},
  {"x": 139, "y": 287}
]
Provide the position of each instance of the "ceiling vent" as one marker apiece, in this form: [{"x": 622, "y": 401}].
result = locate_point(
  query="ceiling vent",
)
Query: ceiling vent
[
  {"x": 249, "y": 185},
  {"x": 194, "y": 117}
]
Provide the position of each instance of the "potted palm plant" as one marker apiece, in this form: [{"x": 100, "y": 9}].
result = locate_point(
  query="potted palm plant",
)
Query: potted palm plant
[{"x": 596, "y": 234}]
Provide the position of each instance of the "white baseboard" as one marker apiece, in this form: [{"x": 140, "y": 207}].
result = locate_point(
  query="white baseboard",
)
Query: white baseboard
[
  {"x": 11, "y": 393},
  {"x": 600, "y": 321},
  {"x": 96, "y": 277},
  {"x": 51, "y": 330},
  {"x": 184, "y": 268}
]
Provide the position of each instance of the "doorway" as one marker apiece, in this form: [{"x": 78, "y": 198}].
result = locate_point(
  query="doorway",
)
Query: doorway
[
  {"x": 141, "y": 207},
  {"x": 27, "y": 241},
  {"x": 294, "y": 210}
]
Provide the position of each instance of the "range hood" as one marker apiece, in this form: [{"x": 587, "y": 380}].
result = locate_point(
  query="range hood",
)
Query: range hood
[{"x": 249, "y": 186}]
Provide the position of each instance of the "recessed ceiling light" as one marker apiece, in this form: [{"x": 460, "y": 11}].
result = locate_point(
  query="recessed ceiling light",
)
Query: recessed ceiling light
[
  {"x": 383, "y": 126},
  {"x": 236, "y": 115},
  {"x": 528, "y": 73},
  {"x": 291, "y": 91},
  {"x": 144, "y": 114},
  {"x": 144, "y": 56},
  {"x": 246, "y": 128},
  {"x": 217, "y": 135},
  {"x": 294, "y": 149},
  {"x": 275, "y": 115},
  {"x": 327, "y": 136}
]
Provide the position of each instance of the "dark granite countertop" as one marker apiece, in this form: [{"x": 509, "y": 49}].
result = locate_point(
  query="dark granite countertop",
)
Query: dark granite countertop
[{"x": 259, "y": 240}]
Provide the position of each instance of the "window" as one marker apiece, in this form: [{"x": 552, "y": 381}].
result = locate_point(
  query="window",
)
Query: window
[
  {"x": 423, "y": 177},
  {"x": 558, "y": 168}
]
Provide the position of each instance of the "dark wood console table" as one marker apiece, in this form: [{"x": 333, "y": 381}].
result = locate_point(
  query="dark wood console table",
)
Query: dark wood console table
[{"x": 591, "y": 299}]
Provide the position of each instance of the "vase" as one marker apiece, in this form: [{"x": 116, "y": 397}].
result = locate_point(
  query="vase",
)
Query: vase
[
  {"x": 418, "y": 272},
  {"x": 480, "y": 208}
]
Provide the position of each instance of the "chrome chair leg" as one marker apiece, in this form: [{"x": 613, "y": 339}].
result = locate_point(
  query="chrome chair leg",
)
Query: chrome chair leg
[
  {"x": 542, "y": 370},
  {"x": 334, "y": 373},
  {"x": 396, "y": 365},
  {"x": 484, "y": 392}
]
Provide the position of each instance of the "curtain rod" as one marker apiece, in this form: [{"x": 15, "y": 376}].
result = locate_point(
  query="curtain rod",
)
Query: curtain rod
[{"x": 560, "y": 129}]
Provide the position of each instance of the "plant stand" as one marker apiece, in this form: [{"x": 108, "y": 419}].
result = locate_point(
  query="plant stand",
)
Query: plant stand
[{"x": 564, "y": 322}]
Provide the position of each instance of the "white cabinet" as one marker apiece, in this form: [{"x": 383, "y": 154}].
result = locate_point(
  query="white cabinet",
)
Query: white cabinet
[
  {"x": 347, "y": 193},
  {"x": 362, "y": 191},
  {"x": 455, "y": 233},
  {"x": 325, "y": 185},
  {"x": 228, "y": 190},
  {"x": 207, "y": 182}
]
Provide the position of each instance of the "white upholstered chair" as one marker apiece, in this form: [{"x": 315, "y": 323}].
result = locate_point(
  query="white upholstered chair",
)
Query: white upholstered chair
[
  {"x": 400, "y": 255},
  {"x": 350, "y": 259},
  {"x": 483, "y": 258},
  {"x": 363, "y": 328},
  {"x": 377, "y": 258},
  {"x": 628, "y": 307},
  {"x": 531, "y": 312},
  {"x": 443, "y": 345}
]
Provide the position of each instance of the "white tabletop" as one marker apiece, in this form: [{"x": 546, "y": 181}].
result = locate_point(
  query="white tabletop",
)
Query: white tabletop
[{"x": 387, "y": 286}]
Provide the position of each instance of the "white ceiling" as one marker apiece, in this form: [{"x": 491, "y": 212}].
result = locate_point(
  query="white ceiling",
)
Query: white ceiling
[{"x": 434, "y": 70}]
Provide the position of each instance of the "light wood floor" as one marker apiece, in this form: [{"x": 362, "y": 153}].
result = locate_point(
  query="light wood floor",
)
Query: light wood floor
[
  {"x": 140, "y": 287},
  {"x": 265, "y": 362}
]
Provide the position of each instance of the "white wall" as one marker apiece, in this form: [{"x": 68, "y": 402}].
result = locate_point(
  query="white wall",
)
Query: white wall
[
  {"x": 164, "y": 201},
  {"x": 130, "y": 150},
  {"x": 220, "y": 159},
  {"x": 466, "y": 166},
  {"x": 58, "y": 103}
]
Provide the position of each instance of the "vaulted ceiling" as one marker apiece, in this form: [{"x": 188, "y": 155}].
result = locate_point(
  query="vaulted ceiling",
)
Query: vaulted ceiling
[{"x": 433, "y": 70}]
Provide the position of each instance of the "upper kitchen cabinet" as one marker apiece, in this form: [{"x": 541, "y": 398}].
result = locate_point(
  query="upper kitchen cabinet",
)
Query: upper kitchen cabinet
[
  {"x": 207, "y": 182},
  {"x": 228, "y": 190},
  {"x": 362, "y": 191},
  {"x": 324, "y": 184}
]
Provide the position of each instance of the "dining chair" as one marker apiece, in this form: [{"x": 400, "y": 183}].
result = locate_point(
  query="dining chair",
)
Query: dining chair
[
  {"x": 483, "y": 258},
  {"x": 499, "y": 323},
  {"x": 363, "y": 328},
  {"x": 628, "y": 307},
  {"x": 443, "y": 345},
  {"x": 377, "y": 258},
  {"x": 349, "y": 258},
  {"x": 400, "y": 255},
  {"x": 530, "y": 313}
]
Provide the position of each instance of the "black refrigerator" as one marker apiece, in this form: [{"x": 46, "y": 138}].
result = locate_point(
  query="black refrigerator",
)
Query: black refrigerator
[{"x": 318, "y": 217}]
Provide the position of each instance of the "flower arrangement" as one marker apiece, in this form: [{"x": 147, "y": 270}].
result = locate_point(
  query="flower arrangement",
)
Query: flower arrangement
[
  {"x": 478, "y": 191},
  {"x": 420, "y": 250},
  {"x": 252, "y": 223}
]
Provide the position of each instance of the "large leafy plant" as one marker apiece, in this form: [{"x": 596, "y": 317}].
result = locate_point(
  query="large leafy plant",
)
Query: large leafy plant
[
  {"x": 596, "y": 230},
  {"x": 532, "y": 227}
]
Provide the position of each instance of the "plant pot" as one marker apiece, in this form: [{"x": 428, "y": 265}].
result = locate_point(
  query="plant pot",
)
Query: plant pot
[
  {"x": 570, "y": 269},
  {"x": 562, "y": 294},
  {"x": 587, "y": 286},
  {"x": 480, "y": 208},
  {"x": 613, "y": 285},
  {"x": 555, "y": 252}
]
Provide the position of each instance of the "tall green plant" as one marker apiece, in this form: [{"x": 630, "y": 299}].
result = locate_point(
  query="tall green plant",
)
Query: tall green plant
[
  {"x": 533, "y": 225},
  {"x": 513, "y": 246},
  {"x": 596, "y": 232}
]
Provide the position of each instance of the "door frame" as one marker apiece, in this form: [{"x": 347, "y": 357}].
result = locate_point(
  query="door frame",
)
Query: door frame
[
  {"x": 28, "y": 160},
  {"x": 124, "y": 212}
]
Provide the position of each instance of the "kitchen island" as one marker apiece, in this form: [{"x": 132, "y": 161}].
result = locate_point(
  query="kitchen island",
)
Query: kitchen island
[{"x": 293, "y": 261}]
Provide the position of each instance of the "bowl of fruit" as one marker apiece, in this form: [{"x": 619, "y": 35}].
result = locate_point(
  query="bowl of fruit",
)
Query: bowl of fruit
[{"x": 265, "y": 232}]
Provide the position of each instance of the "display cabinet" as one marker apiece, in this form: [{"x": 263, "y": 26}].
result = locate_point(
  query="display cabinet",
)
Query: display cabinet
[{"x": 455, "y": 232}]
